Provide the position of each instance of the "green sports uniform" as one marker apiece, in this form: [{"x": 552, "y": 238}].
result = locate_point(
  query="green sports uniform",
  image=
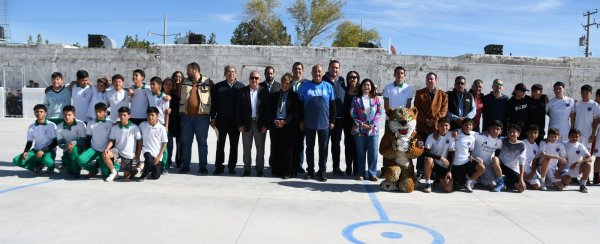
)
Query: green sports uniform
[{"x": 44, "y": 135}]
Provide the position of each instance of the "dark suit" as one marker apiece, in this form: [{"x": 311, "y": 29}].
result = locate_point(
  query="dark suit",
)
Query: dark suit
[
  {"x": 223, "y": 102},
  {"x": 275, "y": 86},
  {"x": 284, "y": 153},
  {"x": 252, "y": 126}
]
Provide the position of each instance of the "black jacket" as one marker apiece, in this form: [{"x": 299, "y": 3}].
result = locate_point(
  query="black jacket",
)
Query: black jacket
[
  {"x": 292, "y": 106},
  {"x": 223, "y": 100},
  {"x": 275, "y": 87},
  {"x": 243, "y": 109}
]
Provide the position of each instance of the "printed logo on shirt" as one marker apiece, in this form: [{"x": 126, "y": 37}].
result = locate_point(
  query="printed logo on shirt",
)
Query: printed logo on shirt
[
  {"x": 595, "y": 150},
  {"x": 557, "y": 149},
  {"x": 46, "y": 132},
  {"x": 447, "y": 141},
  {"x": 534, "y": 152},
  {"x": 468, "y": 143},
  {"x": 578, "y": 152},
  {"x": 316, "y": 93},
  {"x": 521, "y": 107},
  {"x": 485, "y": 143},
  {"x": 156, "y": 134},
  {"x": 567, "y": 105},
  {"x": 590, "y": 109}
]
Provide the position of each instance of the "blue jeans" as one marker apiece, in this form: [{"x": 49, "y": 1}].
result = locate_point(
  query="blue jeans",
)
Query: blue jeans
[
  {"x": 190, "y": 126},
  {"x": 323, "y": 137},
  {"x": 367, "y": 145}
]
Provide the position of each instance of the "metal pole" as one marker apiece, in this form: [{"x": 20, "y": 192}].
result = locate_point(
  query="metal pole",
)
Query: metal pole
[
  {"x": 587, "y": 36},
  {"x": 165, "y": 30}
]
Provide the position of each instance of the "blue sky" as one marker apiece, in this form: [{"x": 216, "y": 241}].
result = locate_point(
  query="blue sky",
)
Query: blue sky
[{"x": 544, "y": 28}]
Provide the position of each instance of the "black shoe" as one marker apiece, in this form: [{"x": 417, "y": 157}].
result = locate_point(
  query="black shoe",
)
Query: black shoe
[
  {"x": 574, "y": 181},
  {"x": 183, "y": 170},
  {"x": 309, "y": 176},
  {"x": 259, "y": 173},
  {"x": 338, "y": 172},
  {"x": 203, "y": 171},
  {"x": 583, "y": 189},
  {"x": 301, "y": 170},
  {"x": 218, "y": 171},
  {"x": 246, "y": 173},
  {"x": 322, "y": 177},
  {"x": 348, "y": 171},
  {"x": 232, "y": 171}
]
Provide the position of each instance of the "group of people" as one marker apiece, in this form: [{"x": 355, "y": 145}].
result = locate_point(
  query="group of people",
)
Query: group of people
[{"x": 108, "y": 127}]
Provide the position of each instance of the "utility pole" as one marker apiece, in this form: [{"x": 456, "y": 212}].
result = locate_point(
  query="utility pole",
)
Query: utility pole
[
  {"x": 587, "y": 29},
  {"x": 164, "y": 35}
]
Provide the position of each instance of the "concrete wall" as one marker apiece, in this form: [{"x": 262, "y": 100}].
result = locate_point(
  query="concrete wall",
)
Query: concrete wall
[{"x": 39, "y": 62}]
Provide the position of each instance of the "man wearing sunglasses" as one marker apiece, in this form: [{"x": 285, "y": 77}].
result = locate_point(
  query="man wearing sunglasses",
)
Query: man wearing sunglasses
[{"x": 460, "y": 104}]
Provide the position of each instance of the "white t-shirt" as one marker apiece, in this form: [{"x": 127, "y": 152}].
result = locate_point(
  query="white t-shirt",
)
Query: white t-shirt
[
  {"x": 398, "y": 95},
  {"x": 100, "y": 132},
  {"x": 440, "y": 146},
  {"x": 160, "y": 103},
  {"x": 559, "y": 111},
  {"x": 575, "y": 152},
  {"x": 41, "y": 134},
  {"x": 532, "y": 151},
  {"x": 139, "y": 101},
  {"x": 485, "y": 146},
  {"x": 513, "y": 154},
  {"x": 125, "y": 138},
  {"x": 585, "y": 113},
  {"x": 116, "y": 100},
  {"x": 463, "y": 144},
  {"x": 153, "y": 137},
  {"x": 97, "y": 97},
  {"x": 553, "y": 149},
  {"x": 81, "y": 98},
  {"x": 75, "y": 133}
]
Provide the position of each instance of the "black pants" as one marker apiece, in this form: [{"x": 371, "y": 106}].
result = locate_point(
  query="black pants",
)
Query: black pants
[
  {"x": 350, "y": 146},
  {"x": 227, "y": 127},
  {"x": 300, "y": 148},
  {"x": 151, "y": 170},
  {"x": 336, "y": 137},
  {"x": 284, "y": 151},
  {"x": 421, "y": 159}
]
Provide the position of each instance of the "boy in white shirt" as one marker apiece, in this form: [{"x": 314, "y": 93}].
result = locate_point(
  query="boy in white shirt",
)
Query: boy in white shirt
[
  {"x": 486, "y": 145},
  {"x": 99, "y": 95},
  {"x": 139, "y": 97},
  {"x": 512, "y": 157},
  {"x": 43, "y": 132},
  {"x": 71, "y": 134},
  {"x": 125, "y": 143},
  {"x": 465, "y": 168},
  {"x": 156, "y": 98},
  {"x": 532, "y": 157},
  {"x": 437, "y": 156},
  {"x": 559, "y": 109},
  {"x": 154, "y": 137},
  {"x": 595, "y": 150},
  {"x": 552, "y": 152},
  {"x": 578, "y": 162},
  {"x": 98, "y": 132},
  {"x": 586, "y": 116},
  {"x": 117, "y": 97},
  {"x": 81, "y": 95}
]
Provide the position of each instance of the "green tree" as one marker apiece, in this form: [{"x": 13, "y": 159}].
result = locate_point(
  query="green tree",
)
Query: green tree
[
  {"x": 131, "y": 42},
  {"x": 212, "y": 39},
  {"x": 348, "y": 34},
  {"x": 313, "y": 25},
  {"x": 39, "y": 39},
  {"x": 30, "y": 40},
  {"x": 255, "y": 32}
]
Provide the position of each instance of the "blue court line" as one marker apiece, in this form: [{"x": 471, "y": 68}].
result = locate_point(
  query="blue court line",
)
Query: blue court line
[
  {"x": 25, "y": 186},
  {"x": 376, "y": 204}
]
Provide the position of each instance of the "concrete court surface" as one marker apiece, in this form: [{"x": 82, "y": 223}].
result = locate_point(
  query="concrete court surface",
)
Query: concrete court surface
[{"x": 231, "y": 209}]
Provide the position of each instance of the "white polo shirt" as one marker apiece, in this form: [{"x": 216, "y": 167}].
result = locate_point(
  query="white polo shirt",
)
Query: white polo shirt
[
  {"x": 397, "y": 95},
  {"x": 76, "y": 133},
  {"x": 153, "y": 137},
  {"x": 81, "y": 98},
  {"x": 100, "y": 132},
  {"x": 116, "y": 100},
  {"x": 575, "y": 152},
  {"x": 160, "y": 103},
  {"x": 42, "y": 134},
  {"x": 463, "y": 145},
  {"x": 139, "y": 101},
  {"x": 553, "y": 149},
  {"x": 97, "y": 97},
  {"x": 532, "y": 151},
  {"x": 585, "y": 113},
  {"x": 440, "y": 146},
  {"x": 485, "y": 146},
  {"x": 559, "y": 111},
  {"x": 125, "y": 139}
]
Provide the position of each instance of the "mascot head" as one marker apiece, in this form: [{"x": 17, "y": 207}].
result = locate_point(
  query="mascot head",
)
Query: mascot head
[{"x": 402, "y": 121}]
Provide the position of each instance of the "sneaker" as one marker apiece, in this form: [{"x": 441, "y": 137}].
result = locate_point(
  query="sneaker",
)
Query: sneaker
[
  {"x": 141, "y": 179},
  {"x": 338, "y": 172},
  {"x": 469, "y": 186},
  {"x": 203, "y": 171},
  {"x": 322, "y": 177},
  {"x": 309, "y": 176},
  {"x": 164, "y": 172},
  {"x": 111, "y": 176},
  {"x": 51, "y": 170},
  {"x": 427, "y": 188},
  {"x": 38, "y": 169},
  {"x": 544, "y": 187},
  {"x": 359, "y": 178},
  {"x": 348, "y": 171},
  {"x": 373, "y": 178},
  {"x": 583, "y": 189},
  {"x": 499, "y": 185}
]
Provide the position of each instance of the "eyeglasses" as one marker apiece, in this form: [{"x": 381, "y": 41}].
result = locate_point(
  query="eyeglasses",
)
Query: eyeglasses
[
  {"x": 254, "y": 78},
  {"x": 498, "y": 84}
]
